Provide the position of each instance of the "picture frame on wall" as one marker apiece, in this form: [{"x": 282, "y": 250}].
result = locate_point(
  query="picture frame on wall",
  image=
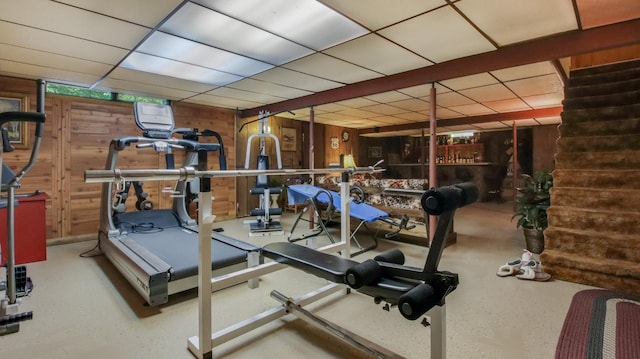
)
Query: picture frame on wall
[
  {"x": 375, "y": 152},
  {"x": 18, "y": 130},
  {"x": 288, "y": 140}
]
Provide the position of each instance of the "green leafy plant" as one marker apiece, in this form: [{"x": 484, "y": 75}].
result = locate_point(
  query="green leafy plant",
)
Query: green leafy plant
[{"x": 533, "y": 200}]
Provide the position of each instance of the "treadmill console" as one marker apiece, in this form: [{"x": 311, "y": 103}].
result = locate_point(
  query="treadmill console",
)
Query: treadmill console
[{"x": 155, "y": 120}]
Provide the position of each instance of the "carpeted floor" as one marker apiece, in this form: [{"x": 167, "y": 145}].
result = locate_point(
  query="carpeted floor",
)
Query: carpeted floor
[{"x": 83, "y": 308}]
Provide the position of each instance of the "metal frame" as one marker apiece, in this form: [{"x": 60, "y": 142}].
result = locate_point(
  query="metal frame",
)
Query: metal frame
[{"x": 201, "y": 346}]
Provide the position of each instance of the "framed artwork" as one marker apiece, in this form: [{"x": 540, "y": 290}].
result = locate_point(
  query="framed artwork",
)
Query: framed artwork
[
  {"x": 18, "y": 131},
  {"x": 288, "y": 140},
  {"x": 335, "y": 142},
  {"x": 375, "y": 152}
]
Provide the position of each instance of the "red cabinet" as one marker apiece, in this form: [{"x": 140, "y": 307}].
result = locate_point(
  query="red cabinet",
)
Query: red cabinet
[{"x": 30, "y": 229}]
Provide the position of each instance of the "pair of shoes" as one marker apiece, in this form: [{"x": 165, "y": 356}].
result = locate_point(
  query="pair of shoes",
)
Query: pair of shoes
[
  {"x": 532, "y": 270},
  {"x": 513, "y": 267}
]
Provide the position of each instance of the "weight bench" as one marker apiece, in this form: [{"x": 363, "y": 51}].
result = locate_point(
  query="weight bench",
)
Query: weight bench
[{"x": 326, "y": 205}]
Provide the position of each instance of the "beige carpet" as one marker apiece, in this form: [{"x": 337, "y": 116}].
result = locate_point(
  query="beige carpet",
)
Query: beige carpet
[{"x": 83, "y": 308}]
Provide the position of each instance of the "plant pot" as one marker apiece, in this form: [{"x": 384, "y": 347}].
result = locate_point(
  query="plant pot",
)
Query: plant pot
[{"x": 534, "y": 240}]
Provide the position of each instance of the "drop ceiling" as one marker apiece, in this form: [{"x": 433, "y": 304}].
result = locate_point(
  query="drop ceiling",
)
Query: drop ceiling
[{"x": 353, "y": 61}]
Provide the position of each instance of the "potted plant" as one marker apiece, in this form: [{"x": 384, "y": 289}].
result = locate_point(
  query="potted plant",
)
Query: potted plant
[{"x": 532, "y": 202}]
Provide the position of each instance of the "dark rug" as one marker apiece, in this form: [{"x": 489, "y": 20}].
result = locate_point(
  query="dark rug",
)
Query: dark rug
[{"x": 601, "y": 324}]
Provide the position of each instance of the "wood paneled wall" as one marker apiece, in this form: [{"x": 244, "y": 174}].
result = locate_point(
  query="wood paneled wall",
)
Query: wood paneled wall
[{"x": 76, "y": 138}]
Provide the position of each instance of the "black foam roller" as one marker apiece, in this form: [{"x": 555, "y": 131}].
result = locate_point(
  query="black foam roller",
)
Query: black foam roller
[
  {"x": 394, "y": 256},
  {"x": 414, "y": 303},
  {"x": 438, "y": 200},
  {"x": 365, "y": 273}
]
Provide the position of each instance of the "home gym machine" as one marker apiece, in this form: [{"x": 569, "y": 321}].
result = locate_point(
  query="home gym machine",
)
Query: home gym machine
[
  {"x": 156, "y": 250},
  {"x": 10, "y": 317},
  {"x": 415, "y": 291},
  {"x": 265, "y": 223}
]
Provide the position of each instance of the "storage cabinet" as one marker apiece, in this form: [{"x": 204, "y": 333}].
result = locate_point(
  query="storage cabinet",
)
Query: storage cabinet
[{"x": 29, "y": 229}]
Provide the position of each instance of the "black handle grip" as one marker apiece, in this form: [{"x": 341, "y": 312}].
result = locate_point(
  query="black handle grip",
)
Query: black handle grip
[{"x": 11, "y": 116}]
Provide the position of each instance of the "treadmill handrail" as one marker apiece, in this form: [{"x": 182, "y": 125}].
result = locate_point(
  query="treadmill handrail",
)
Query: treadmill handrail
[{"x": 120, "y": 143}]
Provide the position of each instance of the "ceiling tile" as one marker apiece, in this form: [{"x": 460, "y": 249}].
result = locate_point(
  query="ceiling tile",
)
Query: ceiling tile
[
  {"x": 137, "y": 12},
  {"x": 508, "y": 105},
  {"x": 472, "y": 110},
  {"x": 224, "y": 102},
  {"x": 488, "y": 93},
  {"x": 384, "y": 109},
  {"x": 16, "y": 69},
  {"x": 413, "y": 104},
  {"x": 555, "y": 120},
  {"x": 357, "y": 113},
  {"x": 296, "y": 79},
  {"x": 358, "y": 102},
  {"x": 306, "y": 22},
  {"x": 378, "y": 54},
  {"x": 546, "y": 100},
  {"x": 422, "y": 35},
  {"x": 43, "y": 59},
  {"x": 423, "y": 91},
  {"x": 503, "y": 20},
  {"x": 524, "y": 71},
  {"x": 200, "y": 24},
  {"x": 263, "y": 87},
  {"x": 143, "y": 89},
  {"x": 413, "y": 116},
  {"x": 595, "y": 13},
  {"x": 470, "y": 81},
  {"x": 244, "y": 95},
  {"x": 179, "y": 49},
  {"x": 492, "y": 125},
  {"x": 27, "y": 37},
  {"x": 390, "y": 96},
  {"x": 443, "y": 113},
  {"x": 376, "y": 14},
  {"x": 332, "y": 69},
  {"x": 450, "y": 99},
  {"x": 87, "y": 25},
  {"x": 536, "y": 85},
  {"x": 330, "y": 107}
]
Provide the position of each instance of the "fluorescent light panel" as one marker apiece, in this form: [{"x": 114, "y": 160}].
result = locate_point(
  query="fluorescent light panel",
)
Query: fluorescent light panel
[
  {"x": 307, "y": 22},
  {"x": 179, "y": 49},
  {"x": 158, "y": 65}
]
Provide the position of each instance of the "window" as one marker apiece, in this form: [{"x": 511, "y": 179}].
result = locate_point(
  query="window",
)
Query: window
[{"x": 69, "y": 90}]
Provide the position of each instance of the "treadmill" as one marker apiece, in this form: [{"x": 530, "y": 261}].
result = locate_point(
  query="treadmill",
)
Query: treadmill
[{"x": 156, "y": 250}]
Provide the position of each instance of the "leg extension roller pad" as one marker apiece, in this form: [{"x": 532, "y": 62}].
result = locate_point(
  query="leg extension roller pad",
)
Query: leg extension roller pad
[{"x": 417, "y": 301}]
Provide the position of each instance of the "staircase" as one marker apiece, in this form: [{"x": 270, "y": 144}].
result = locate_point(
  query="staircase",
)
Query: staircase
[{"x": 594, "y": 219}]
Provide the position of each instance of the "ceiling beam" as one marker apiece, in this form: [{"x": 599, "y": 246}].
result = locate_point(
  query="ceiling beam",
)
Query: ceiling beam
[
  {"x": 494, "y": 117},
  {"x": 544, "y": 49}
]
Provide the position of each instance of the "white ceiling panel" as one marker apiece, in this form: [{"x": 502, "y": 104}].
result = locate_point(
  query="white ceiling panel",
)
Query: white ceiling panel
[
  {"x": 384, "y": 109},
  {"x": 296, "y": 80},
  {"x": 43, "y": 59},
  {"x": 179, "y": 49},
  {"x": 16, "y": 69},
  {"x": 244, "y": 95},
  {"x": 536, "y": 85},
  {"x": 376, "y": 14},
  {"x": 47, "y": 15},
  {"x": 524, "y": 71},
  {"x": 224, "y": 102},
  {"x": 413, "y": 116},
  {"x": 306, "y": 22},
  {"x": 330, "y": 107},
  {"x": 357, "y": 113},
  {"x": 488, "y": 93},
  {"x": 138, "y": 88},
  {"x": 268, "y": 88},
  {"x": 331, "y": 68},
  {"x": 447, "y": 113},
  {"x": 390, "y": 96},
  {"x": 472, "y": 109},
  {"x": 546, "y": 100},
  {"x": 200, "y": 24},
  {"x": 423, "y": 35},
  {"x": 28, "y": 37},
  {"x": 555, "y": 120},
  {"x": 503, "y": 20},
  {"x": 424, "y": 90},
  {"x": 514, "y": 104},
  {"x": 378, "y": 54},
  {"x": 451, "y": 99},
  {"x": 413, "y": 104},
  {"x": 471, "y": 81},
  {"x": 137, "y": 12},
  {"x": 358, "y": 102},
  {"x": 492, "y": 125}
]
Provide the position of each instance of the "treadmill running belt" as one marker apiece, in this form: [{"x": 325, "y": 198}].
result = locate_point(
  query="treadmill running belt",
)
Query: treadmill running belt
[{"x": 178, "y": 247}]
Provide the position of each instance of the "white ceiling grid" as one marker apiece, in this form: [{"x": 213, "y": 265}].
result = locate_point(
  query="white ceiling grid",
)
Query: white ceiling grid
[{"x": 241, "y": 54}]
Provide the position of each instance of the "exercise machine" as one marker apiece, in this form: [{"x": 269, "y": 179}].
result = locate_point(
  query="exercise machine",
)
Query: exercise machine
[
  {"x": 265, "y": 223},
  {"x": 17, "y": 280},
  {"x": 156, "y": 250}
]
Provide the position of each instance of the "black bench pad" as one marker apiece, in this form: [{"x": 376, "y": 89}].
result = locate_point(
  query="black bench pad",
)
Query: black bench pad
[{"x": 323, "y": 265}]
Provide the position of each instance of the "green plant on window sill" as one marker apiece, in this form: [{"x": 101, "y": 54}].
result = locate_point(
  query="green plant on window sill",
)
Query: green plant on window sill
[{"x": 533, "y": 200}]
